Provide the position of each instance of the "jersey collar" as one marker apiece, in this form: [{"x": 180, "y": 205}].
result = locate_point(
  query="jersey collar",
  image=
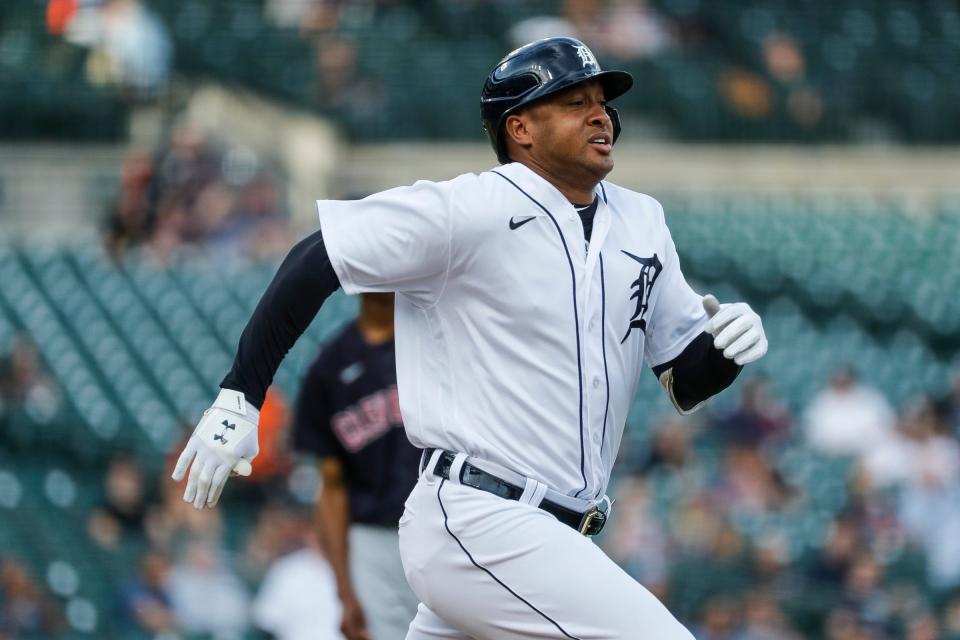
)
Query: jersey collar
[{"x": 540, "y": 189}]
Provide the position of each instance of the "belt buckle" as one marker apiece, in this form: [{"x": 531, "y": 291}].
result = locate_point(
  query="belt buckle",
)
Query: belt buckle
[{"x": 592, "y": 522}]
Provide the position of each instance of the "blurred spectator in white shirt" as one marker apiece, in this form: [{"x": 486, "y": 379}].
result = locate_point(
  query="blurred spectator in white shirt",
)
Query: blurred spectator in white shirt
[
  {"x": 298, "y": 596},
  {"x": 924, "y": 462},
  {"x": 848, "y": 418},
  {"x": 919, "y": 456},
  {"x": 206, "y": 596},
  {"x": 130, "y": 46},
  {"x": 626, "y": 29},
  {"x": 137, "y": 44}
]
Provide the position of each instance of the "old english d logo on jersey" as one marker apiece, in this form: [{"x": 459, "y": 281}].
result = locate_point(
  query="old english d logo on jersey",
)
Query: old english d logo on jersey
[{"x": 643, "y": 285}]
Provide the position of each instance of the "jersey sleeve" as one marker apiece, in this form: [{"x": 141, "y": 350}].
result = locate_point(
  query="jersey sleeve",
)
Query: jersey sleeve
[
  {"x": 395, "y": 240},
  {"x": 678, "y": 316},
  {"x": 312, "y": 432}
]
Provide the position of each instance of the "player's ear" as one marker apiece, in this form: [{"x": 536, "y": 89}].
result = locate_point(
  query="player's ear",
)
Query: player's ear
[{"x": 517, "y": 130}]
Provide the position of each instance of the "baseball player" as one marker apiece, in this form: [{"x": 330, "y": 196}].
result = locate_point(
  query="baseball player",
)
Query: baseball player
[
  {"x": 348, "y": 416},
  {"x": 528, "y": 298}
]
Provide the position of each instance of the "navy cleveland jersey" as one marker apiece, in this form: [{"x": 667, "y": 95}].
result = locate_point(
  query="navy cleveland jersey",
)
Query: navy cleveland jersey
[{"x": 348, "y": 409}]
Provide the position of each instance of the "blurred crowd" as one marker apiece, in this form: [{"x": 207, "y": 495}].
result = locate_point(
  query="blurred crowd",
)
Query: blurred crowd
[
  {"x": 131, "y": 47},
  {"x": 862, "y": 72},
  {"x": 769, "y": 82},
  {"x": 193, "y": 193},
  {"x": 836, "y": 522},
  {"x": 750, "y": 520},
  {"x": 168, "y": 570}
]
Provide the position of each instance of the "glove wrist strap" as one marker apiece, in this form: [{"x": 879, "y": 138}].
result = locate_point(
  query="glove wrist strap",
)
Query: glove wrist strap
[{"x": 235, "y": 402}]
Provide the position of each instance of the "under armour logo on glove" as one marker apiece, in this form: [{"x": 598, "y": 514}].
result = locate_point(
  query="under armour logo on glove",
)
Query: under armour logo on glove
[{"x": 220, "y": 436}]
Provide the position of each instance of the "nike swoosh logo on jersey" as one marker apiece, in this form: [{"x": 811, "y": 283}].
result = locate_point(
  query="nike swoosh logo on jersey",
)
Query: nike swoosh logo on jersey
[{"x": 514, "y": 224}]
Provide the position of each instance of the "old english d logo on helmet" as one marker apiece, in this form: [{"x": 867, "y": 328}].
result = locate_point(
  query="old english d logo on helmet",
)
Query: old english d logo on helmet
[
  {"x": 587, "y": 56},
  {"x": 537, "y": 70}
]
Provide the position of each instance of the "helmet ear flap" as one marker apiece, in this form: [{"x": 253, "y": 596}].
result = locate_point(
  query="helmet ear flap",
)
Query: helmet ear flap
[{"x": 615, "y": 119}]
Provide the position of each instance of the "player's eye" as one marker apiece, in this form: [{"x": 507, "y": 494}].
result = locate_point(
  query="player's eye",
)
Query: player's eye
[{"x": 576, "y": 103}]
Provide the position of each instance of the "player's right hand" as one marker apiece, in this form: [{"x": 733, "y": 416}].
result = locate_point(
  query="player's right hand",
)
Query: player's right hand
[{"x": 225, "y": 441}]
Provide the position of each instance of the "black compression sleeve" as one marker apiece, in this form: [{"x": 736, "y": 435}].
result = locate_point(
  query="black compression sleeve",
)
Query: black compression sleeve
[
  {"x": 699, "y": 372},
  {"x": 304, "y": 280}
]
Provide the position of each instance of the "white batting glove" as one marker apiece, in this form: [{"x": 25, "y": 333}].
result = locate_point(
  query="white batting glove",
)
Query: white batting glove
[
  {"x": 224, "y": 441},
  {"x": 736, "y": 329}
]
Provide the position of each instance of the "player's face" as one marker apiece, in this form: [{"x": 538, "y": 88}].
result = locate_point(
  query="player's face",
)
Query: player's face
[{"x": 572, "y": 135}]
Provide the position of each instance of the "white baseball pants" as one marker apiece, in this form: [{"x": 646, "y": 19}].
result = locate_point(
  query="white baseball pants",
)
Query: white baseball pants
[{"x": 486, "y": 568}]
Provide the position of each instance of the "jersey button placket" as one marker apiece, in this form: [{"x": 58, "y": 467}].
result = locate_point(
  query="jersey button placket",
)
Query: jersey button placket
[{"x": 593, "y": 376}]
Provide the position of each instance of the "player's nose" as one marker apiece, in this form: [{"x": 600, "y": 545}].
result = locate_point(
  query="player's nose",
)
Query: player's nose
[{"x": 598, "y": 117}]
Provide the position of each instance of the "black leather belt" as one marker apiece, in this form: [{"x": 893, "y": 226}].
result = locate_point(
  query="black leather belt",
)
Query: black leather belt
[{"x": 589, "y": 523}]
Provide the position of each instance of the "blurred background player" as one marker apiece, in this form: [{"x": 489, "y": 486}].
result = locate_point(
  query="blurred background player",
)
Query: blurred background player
[{"x": 348, "y": 416}]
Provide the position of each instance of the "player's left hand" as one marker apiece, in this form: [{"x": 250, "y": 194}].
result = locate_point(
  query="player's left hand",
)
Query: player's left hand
[
  {"x": 736, "y": 329},
  {"x": 225, "y": 441}
]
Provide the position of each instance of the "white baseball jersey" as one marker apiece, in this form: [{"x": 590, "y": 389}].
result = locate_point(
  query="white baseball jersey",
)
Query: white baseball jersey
[{"x": 514, "y": 344}]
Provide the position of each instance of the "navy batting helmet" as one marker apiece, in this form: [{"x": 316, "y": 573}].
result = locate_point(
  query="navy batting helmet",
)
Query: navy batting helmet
[{"x": 537, "y": 70}]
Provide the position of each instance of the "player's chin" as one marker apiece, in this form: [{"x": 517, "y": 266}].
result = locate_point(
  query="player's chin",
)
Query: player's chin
[{"x": 601, "y": 160}]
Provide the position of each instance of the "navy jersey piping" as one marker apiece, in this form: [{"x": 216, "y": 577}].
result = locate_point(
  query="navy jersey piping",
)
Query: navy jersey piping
[
  {"x": 603, "y": 344},
  {"x": 490, "y": 573},
  {"x": 576, "y": 318}
]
